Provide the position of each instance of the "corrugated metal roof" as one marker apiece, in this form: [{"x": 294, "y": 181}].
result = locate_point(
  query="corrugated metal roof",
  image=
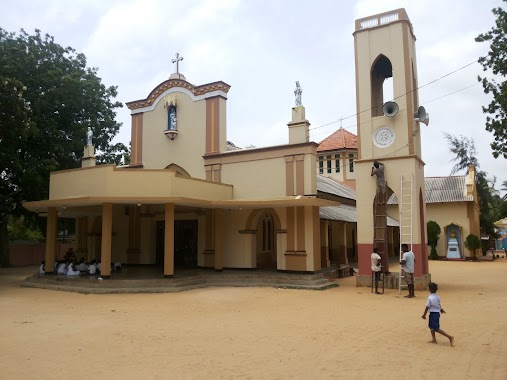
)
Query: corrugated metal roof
[
  {"x": 443, "y": 190},
  {"x": 329, "y": 186},
  {"x": 446, "y": 189},
  {"x": 346, "y": 213}
]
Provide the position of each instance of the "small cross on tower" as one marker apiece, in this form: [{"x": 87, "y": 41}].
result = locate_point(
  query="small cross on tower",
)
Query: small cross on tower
[{"x": 177, "y": 61}]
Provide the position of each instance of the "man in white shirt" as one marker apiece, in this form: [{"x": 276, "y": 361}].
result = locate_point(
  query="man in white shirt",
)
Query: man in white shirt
[
  {"x": 408, "y": 261},
  {"x": 376, "y": 267}
]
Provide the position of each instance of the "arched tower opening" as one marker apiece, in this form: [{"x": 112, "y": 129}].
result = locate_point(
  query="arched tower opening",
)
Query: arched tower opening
[{"x": 381, "y": 84}]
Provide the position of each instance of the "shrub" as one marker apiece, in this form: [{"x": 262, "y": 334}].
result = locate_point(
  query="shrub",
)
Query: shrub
[{"x": 473, "y": 243}]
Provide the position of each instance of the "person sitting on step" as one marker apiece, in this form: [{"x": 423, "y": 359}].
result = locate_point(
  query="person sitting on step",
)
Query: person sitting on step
[{"x": 72, "y": 271}]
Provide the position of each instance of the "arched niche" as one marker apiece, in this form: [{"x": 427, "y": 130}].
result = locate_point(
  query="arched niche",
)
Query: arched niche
[
  {"x": 381, "y": 70},
  {"x": 180, "y": 172}
]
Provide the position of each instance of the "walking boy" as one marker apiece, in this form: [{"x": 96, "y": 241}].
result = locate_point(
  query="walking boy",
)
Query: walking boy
[{"x": 433, "y": 306}]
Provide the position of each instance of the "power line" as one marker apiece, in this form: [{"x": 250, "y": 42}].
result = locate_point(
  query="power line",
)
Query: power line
[
  {"x": 409, "y": 92},
  {"x": 426, "y": 102}
]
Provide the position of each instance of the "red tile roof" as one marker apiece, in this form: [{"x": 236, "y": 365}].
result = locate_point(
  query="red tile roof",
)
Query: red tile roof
[{"x": 341, "y": 139}]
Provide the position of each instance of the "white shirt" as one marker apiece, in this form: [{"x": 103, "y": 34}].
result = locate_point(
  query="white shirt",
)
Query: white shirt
[
  {"x": 92, "y": 269},
  {"x": 433, "y": 303},
  {"x": 82, "y": 267},
  {"x": 62, "y": 268},
  {"x": 409, "y": 258},
  {"x": 41, "y": 269},
  {"x": 72, "y": 272},
  {"x": 375, "y": 262}
]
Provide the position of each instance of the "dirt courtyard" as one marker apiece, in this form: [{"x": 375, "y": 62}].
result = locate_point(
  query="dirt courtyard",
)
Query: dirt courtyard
[{"x": 257, "y": 333}]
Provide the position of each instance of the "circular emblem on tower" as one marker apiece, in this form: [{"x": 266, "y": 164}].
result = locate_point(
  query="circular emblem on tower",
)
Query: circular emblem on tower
[{"x": 383, "y": 137}]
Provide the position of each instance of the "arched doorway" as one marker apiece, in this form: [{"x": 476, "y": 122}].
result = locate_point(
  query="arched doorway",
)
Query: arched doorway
[{"x": 266, "y": 249}]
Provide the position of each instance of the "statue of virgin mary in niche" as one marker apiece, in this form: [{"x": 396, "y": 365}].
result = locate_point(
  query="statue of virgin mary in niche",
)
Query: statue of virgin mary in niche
[{"x": 172, "y": 119}]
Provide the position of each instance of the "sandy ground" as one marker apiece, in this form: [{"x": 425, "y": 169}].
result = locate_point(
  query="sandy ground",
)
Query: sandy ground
[{"x": 258, "y": 333}]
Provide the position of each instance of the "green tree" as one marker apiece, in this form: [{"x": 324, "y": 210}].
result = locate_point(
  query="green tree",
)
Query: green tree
[
  {"x": 58, "y": 98},
  {"x": 504, "y": 189},
  {"x": 465, "y": 155},
  {"x": 15, "y": 127},
  {"x": 464, "y": 152},
  {"x": 22, "y": 229},
  {"x": 433, "y": 231},
  {"x": 473, "y": 243},
  {"x": 496, "y": 61}
]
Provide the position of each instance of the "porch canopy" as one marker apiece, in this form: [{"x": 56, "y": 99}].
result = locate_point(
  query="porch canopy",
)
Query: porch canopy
[
  {"x": 109, "y": 184},
  {"x": 92, "y": 191}
]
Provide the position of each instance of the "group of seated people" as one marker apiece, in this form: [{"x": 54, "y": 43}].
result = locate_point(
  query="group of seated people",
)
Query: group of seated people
[{"x": 73, "y": 268}]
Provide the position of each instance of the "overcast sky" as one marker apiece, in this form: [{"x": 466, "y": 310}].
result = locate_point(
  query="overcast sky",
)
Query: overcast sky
[{"x": 261, "y": 47}]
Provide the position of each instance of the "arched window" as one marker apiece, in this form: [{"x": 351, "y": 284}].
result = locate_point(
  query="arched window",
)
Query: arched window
[
  {"x": 381, "y": 84},
  {"x": 267, "y": 233}
]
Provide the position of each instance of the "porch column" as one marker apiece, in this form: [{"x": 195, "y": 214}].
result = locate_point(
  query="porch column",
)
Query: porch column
[
  {"x": 107, "y": 231},
  {"x": 51, "y": 240},
  {"x": 169, "y": 241},
  {"x": 324, "y": 244},
  {"x": 345, "y": 244},
  {"x": 219, "y": 219}
]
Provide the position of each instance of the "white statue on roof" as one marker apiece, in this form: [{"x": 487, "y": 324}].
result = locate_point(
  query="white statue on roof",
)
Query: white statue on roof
[{"x": 298, "y": 92}]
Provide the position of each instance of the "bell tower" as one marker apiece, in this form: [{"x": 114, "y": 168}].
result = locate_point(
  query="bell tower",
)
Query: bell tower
[{"x": 389, "y": 132}]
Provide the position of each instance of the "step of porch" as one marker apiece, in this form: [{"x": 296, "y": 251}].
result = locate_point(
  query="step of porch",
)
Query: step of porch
[{"x": 92, "y": 285}]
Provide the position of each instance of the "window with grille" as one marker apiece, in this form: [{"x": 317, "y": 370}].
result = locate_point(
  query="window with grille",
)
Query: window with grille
[{"x": 337, "y": 162}]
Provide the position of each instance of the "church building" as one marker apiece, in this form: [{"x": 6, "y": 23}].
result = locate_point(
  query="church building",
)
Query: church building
[{"x": 189, "y": 198}]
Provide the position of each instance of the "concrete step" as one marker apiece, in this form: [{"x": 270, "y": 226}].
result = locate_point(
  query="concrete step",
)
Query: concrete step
[{"x": 93, "y": 285}]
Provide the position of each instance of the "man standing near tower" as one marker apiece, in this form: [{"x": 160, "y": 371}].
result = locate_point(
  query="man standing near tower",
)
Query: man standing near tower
[
  {"x": 378, "y": 170},
  {"x": 407, "y": 261}
]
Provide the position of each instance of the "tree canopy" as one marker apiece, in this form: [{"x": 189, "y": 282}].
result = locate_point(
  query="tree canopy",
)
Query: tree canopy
[
  {"x": 490, "y": 203},
  {"x": 433, "y": 230},
  {"x": 496, "y": 61},
  {"x": 48, "y": 99}
]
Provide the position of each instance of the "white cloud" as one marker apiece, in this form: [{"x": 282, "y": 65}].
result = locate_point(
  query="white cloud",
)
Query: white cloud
[{"x": 260, "y": 48}]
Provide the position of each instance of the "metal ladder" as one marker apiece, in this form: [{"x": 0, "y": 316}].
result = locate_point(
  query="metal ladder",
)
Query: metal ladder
[
  {"x": 380, "y": 235},
  {"x": 406, "y": 222}
]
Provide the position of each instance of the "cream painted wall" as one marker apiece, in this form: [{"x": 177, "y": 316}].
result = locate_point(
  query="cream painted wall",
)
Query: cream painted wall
[
  {"x": 387, "y": 40},
  {"x": 265, "y": 178},
  {"x": 235, "y": 255},
  {"x": 309, "y": 240},
  {"x": 310, "y": 174},
  {"x": 187, "y": 149},
  {"x": 366, "y": 190},
  {"x": 345, "y": 172},
  {"x": 369, "y": 45},
  {"x": 256, "y": 179},
  {"x": 223, "y": 124},
  {"x": 346, "y": 166},
  {"x": 333, "y": 174},
  {"x": 240, "y": 249},
  {"x": 108, "y": 181},
  {"x": 445, "y": 214}
]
